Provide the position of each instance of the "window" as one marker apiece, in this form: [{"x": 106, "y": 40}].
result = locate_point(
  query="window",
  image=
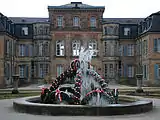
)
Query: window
[
  {"x": 130, "y": 71},
  {"x": 127, "y": 31},
  {"x": 24, "y": 30},
  {"x": 124, "y": 50},
  {"x": 7, "y": 46},
  {"x": 60, "y": 21},
  {"x": 27, "y": 50},
  {"x": 41, "y": 49},
  {"x": 7, "y": 70},
  {"x": 157, "y": 45},
  {"x": 41, "y": 71},
  {"x": 120, "y": 68},
  {"x": 40, "y": 30},
  {"x": 60, "y": 48},
  {"x": 59, "y": 70},
  {"x": 140, "y": 48},
  {"x": 109, "y": 30},
  {"x": 121, "y": 50},
  {"x": 21, "y": 50},
  {"x": 105, "y": 30},
  {"x": 75, "y": 47},
  {"x": 156, "y": 71},
  {"x": 46, "y": 49},
  {"x": 35, "y": 30},
  {"x": 92, "y": 22},
  {"x": 130, "y": 50},
  {"x": 109, "y": 48},
  {"x": 112, "y": 48},
  {"x": 44, "y": 68},
  {"x": 30, "y": 49},
  {"x": 93, "y": 46},
  {"x": 76, "y": 21},
  {"x": 21, "y": 71},
  {"x": 111, "y": 69}
]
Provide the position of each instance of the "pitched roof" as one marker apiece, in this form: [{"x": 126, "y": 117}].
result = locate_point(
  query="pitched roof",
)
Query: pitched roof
[
  {"x": 75, "y": 5},
  {"x": 123, "y": 20},
  {"x": 28, "y": 19}
]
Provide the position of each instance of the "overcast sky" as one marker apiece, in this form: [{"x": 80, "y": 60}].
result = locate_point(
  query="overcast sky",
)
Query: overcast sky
[{"x": 113, "y": 8}]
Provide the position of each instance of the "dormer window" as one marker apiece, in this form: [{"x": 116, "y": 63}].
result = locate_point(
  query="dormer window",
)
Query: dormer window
[
  {"x": 25, "y": 31},
  {"x": 76, "y": 21},
  {"x": 127, "y": 31}
]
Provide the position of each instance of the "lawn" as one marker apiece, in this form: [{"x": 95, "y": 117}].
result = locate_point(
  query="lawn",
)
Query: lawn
[{"x": 8, "y": 95}]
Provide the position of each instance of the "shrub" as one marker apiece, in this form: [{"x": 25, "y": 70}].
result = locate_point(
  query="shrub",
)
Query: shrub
[{"x": 15, "y": 91}]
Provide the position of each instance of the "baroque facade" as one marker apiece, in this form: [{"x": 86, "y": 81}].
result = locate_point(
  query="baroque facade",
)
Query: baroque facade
[{"x": 38, "y": 47}]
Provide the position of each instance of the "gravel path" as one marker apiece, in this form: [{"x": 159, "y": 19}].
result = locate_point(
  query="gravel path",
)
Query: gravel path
[{"x": 7, "y": 113}]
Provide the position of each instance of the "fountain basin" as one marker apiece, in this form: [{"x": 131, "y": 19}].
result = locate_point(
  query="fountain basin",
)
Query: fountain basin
[{"x": 31, "y": 105}]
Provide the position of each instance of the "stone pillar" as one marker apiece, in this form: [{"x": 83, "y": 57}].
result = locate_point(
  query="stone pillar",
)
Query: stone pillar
[
  {"x": 139, "y": 83},
  {"x": 15, "y": 84}
]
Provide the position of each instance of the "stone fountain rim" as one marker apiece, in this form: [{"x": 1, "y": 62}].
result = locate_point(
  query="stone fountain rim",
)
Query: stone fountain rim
[
  {"x": 24, "y": 105},
  {"x": 28, "y": 101}
]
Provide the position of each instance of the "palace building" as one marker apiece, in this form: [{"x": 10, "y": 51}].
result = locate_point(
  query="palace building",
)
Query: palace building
[{"x": 35, "y": 48}]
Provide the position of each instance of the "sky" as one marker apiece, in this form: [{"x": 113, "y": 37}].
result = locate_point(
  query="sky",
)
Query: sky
[{"x": 113, "y": 8}]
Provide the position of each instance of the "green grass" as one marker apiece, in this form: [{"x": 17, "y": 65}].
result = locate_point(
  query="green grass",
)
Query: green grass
[{"x": 12, "y": 96}]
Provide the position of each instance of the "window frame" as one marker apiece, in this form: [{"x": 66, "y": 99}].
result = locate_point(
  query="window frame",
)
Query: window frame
[
  {"x": 93, "y": 22},
  {"x": 76, "y": 48},
  {"x": 21, "y": 49},
  {"x": 132, "y": 71},
  {"x": 22, "y": 71},
  {"x": 60, "y": 21},
  {"x": 25, "y": 31},
  {"x": 61, "y": 50},
  {"x": 127, "y": 31},
  {"x": 130, "y": 50},
  {"x": 93, "y": 43},
  {"x": 76, "y": 21},
  {"x": 59, "y": 69}
]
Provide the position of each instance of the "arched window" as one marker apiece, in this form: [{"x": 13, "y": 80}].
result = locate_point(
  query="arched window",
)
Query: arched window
[
  {"x": 59, "y": 48},
  {"x": 93, "y": 46},
  {"x": 75, "y": 47}
]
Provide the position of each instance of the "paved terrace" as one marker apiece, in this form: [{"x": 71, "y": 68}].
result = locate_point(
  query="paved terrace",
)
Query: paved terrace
[{"x": 7, "y": 112}]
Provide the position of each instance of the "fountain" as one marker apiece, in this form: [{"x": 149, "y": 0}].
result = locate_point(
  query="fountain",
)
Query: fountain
[
  {"x": 89, "y": 95},
  {"x": 89, "y": 87}
]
